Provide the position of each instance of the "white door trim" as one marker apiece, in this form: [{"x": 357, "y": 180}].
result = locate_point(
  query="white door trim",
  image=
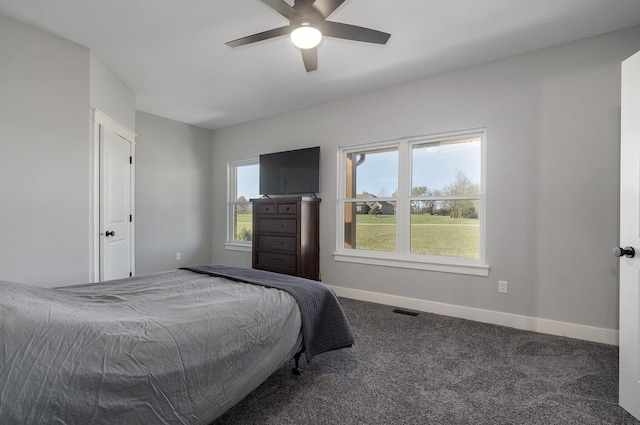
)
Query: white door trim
[{"x": 99, "y": 119}]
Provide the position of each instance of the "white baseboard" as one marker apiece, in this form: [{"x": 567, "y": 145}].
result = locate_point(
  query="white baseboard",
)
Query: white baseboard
[{"x": 552, "y": 327}]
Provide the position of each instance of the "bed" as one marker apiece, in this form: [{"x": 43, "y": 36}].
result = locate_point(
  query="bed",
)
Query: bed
[{"x": 177, "y": 347}]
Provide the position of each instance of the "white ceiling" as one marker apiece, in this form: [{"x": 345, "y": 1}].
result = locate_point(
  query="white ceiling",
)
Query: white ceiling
[{"x": 172, "y": 53}]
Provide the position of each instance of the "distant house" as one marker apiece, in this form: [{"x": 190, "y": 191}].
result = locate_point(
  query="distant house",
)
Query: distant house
[
  {"x": 362, "y": 208},
  {"x": 369, "y": 202}
]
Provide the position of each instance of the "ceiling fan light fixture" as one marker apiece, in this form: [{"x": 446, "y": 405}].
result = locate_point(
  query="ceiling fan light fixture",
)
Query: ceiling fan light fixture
[{"x": 306, "y": 36}]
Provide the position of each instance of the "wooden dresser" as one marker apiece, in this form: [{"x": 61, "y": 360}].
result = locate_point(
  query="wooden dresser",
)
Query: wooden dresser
[{"x": 286, "y": 236}]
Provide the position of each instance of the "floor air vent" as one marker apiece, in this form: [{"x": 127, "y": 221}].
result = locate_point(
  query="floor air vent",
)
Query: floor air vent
[{"x": 405, "y": 312}]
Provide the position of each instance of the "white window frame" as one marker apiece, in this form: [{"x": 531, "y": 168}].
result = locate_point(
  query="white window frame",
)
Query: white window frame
[
  {"x": 403, "y": 258},
  {"x": 232, "y": 196}
]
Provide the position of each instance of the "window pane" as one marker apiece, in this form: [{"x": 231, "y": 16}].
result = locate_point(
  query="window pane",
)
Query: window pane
[
  {"x": 243, "y": 221},
  {"x": 415, "y": 203},
  {"x": 247, "y": 182},
  {"x": 445, "y": 168},
  {"x": 372, "y": 173},
  {"x": 247, "y": 187},
  {"x": 449, "y": 228},
  {"x": 370, "y": 225}
]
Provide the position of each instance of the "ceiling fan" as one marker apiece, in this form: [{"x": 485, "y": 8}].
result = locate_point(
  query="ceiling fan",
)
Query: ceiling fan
[{"x": 308, "y": 24}]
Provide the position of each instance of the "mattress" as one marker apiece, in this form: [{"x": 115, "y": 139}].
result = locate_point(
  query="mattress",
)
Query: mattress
[{"x": 168, "y": 348}]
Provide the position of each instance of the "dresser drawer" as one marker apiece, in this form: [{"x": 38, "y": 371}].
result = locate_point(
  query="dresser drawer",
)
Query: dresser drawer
[
  {"x": 277, "y": 225},
  {"x": 277, "y": 243},
  {"x": 266, "y": 209},
  {"x": 274, "y": 260},
  {"x": 291, "y": 208}
]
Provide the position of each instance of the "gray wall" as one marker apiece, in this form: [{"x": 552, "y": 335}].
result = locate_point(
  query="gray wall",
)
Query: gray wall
[
  {"x": 48, "y": 86},
  {"x": 47, "y": 89},
  {"x": 173, "y": 194},
  {"x": 110, "y": 95},
  {"x": 552, "y": 118},
  {"x": 44, "y": 157}
]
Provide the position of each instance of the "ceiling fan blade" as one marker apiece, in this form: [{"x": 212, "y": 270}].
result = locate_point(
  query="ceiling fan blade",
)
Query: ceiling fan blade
[
  {"x": 310, "y": 58},
  {"x": 281, "y": 7},
  {"x": 299, "y": 5},
  {"x": 276, "y": 32},
  {"x": 352, "y": 32},
  {"x": 327, "y": 7}
]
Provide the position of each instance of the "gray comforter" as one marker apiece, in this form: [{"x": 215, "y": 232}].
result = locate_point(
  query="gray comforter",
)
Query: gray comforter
[
  {"x": 324, "y": 324},
  {"x": 176, "y": 347}
]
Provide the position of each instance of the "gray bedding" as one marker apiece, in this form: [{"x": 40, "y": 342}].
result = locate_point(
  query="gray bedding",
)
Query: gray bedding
[
  {"x": 170, "y": 348},
  {"x": 324, "y": 324}
]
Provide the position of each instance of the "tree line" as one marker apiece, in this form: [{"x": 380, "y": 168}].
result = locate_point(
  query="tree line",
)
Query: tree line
[{"x": 456, "y": 208}]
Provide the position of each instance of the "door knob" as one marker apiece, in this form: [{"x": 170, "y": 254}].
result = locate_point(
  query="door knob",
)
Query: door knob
[
  {"x": 627, "y": 251},
  {"x": 110, "y": 233}
]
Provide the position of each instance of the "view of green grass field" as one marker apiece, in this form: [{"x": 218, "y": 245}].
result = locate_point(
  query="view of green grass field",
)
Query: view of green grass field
[
  {"x": 244, "y": 227},
  {"x": 430, "y": 234}
]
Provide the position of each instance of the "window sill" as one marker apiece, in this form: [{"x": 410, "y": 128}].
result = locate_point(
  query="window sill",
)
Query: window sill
[
  {"x": 235, "y": 246},
  {"x": 411, "y": 263}
]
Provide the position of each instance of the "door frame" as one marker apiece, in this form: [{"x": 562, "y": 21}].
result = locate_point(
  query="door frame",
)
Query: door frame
[{"x": 98, "y": 121}]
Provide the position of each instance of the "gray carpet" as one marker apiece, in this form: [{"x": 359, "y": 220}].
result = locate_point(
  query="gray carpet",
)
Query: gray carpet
[{"x": 434, "y": 369}]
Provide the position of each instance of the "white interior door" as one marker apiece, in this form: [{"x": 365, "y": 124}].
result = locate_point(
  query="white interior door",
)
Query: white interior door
[
  {"x": 630, "y": 237},
  {"x": 115, "y": 205}
]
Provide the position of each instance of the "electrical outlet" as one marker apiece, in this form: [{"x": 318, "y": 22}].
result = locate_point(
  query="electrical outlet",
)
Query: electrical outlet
[
  {"x": 502, "y": 286},
  {"x": 178, "y": 256}
]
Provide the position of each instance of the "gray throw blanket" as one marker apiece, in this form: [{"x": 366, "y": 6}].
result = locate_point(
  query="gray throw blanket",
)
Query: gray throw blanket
[{"x": 324, "y": 325}]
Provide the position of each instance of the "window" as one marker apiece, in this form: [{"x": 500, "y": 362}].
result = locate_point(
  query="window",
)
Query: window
[
  {"x": 243, "y": 181},
  {"x": 416, "y": 203}
]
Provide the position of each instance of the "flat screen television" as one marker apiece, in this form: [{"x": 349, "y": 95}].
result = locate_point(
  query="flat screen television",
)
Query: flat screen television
[{"x": 295, "y": 172}]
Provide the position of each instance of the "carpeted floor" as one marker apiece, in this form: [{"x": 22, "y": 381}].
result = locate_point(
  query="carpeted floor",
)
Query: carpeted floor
[{"x": 434, "y": 369}]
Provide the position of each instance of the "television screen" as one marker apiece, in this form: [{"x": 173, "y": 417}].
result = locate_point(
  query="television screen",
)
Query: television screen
[{"x": 291, "y": 172}]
